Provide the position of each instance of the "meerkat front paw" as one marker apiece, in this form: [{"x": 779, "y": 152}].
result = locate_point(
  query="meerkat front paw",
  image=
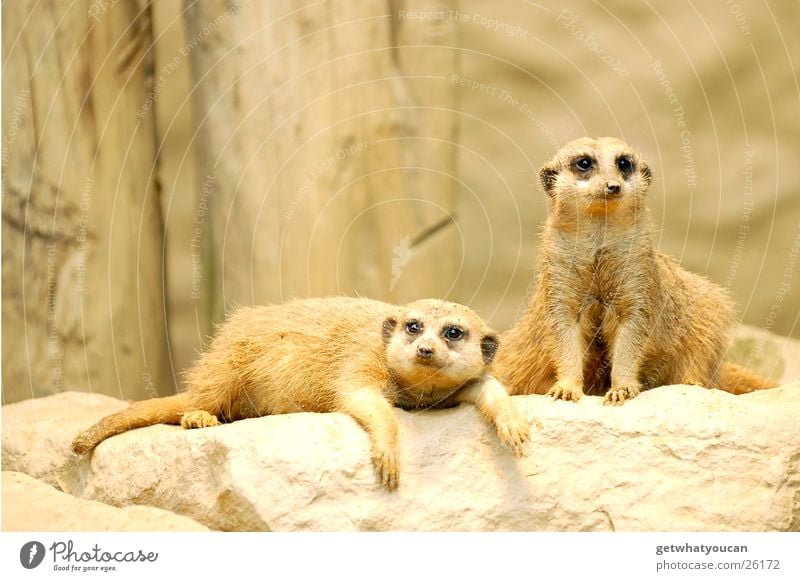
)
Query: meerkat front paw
[
  {"x": 198, "y": 419},
  {"x": 513, "y": 431},
  {"x": 566, "y": 390},
  {"x": 387, "y": 467},
  {"x": 619, "y": 394}
]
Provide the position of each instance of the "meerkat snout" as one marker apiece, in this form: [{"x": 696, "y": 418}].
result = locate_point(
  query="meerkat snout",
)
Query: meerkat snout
[
  {"x": 432, "y": 348},
  {"x": 429, "y": 353},
  {"x": 612, "y": 188},
  {"x": 424, "y": 352}
]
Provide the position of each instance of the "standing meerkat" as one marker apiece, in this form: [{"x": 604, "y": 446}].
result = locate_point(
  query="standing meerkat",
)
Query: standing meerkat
[
  {"x": 351, "y": 355},
  {"x": 611, "y": 314}
]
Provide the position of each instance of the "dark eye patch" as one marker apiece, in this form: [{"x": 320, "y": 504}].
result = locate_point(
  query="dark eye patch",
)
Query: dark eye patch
[
  {"x": 453, "y": 333},
  {"x": 583, "y": 163},
  {"x": 413, "y": 327},
  {"x": 625, "y": 165}
]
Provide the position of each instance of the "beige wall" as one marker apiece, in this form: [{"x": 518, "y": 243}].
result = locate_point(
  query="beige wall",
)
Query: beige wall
[{"x": 728, "y": 203}]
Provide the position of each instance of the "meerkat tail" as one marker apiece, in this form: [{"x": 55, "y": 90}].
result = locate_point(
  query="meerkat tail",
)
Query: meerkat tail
[
  {"x": 737, "y": 380},
  {"x": 163, "y": 410}
]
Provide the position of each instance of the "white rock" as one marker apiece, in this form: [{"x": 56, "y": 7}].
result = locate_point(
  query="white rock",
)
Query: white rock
[
  {"x": 32, "y": 505},
  {"x": 765, "y": 353},
  {"x": 675, "y": 458},
  {"x": 37, "y": 433}
]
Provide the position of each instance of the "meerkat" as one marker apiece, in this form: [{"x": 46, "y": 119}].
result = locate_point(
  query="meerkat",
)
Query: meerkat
[
  {"x": 338, "y": 354},
  {"x": 611, "y": 315}
]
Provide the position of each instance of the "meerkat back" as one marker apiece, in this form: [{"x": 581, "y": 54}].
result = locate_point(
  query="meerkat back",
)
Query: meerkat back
[{"x": 283, "y": 359}]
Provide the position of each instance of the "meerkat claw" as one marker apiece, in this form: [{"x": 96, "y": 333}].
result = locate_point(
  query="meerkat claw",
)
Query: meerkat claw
[
  {"x": 565, "y": 391},
  {"x": 387, "y": 467},
  {"x": 198, "y": 419},
  {"x": 620, "y": 394},
  {"x": 514, "y": 433}
]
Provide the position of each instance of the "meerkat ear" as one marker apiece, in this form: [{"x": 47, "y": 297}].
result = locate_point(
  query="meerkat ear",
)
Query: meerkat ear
[
  {"x": 646, "y": 174},
  {"x": 547, "y": 177},
  {"x": 489, "y": 345},
  {"x": 388, "y": 328}
]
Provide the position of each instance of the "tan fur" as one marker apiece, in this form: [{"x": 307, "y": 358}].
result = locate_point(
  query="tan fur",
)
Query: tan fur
[
  {"x": 350, "y": 355},
  {"x": 611, "y": 314},
  {"x": 738, "y": 380}
]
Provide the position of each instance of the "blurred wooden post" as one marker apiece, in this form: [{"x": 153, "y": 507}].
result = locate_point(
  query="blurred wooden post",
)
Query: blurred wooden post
[
  {"x": 82, "y": 234},
  {"x": 326, "y": 149}
]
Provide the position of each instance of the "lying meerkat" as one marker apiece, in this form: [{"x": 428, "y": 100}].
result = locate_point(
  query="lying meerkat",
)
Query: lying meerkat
[
  {"x": 611, "y": 314},
  {"x": 351, "y": 355}
]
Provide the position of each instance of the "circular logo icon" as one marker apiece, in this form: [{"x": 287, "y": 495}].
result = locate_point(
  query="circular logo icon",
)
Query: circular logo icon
[{"x": 31, "y": 554}]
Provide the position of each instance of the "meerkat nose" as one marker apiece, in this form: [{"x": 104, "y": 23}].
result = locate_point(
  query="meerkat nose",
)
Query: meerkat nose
[
  {"x": 612, "y": 187},
  {"x": 424, "y": 352}
]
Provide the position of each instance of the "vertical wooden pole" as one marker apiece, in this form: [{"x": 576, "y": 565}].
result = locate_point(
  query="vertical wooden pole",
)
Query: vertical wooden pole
[
  {"x": 326, "y": 149},
  {"x": 82, "y": 234}
]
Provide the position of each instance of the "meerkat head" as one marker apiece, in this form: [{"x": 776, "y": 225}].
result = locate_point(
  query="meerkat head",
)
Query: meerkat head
[
  {"x": 595, "y": 176},
  {"x": 433, "y": 343}
]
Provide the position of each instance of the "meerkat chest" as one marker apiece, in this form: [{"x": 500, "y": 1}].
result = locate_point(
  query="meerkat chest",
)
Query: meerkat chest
[
  {"x": 599, "y": 283},
  {"x": 606, "y": 275}
]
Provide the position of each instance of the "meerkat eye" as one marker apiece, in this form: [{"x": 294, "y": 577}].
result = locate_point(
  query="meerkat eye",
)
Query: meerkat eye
[
  {"x": 625, "y": 165},
  {"x": 413, "y": 327},
  {"x": 584, "y": 163},
  {"x": 453, "y": 333}
]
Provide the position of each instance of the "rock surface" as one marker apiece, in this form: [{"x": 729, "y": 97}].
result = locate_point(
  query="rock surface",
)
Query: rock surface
[
  {"x": 766, "y": 354},
  {"x": 31, "y": 505},
  {"x": 675, "y": 458},
  {"x": 37, "y": 434}
]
